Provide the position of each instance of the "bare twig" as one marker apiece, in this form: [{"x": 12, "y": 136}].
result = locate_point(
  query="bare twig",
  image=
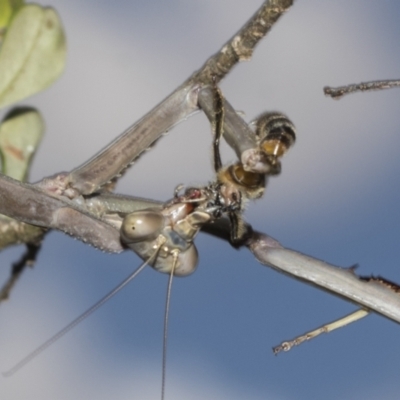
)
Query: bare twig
[
  {"x": 338, "y": 92},
  {"x": 241, "y": 46},
  {"x": 28, "y": 259},
  {"x": 339, "y": 323}
]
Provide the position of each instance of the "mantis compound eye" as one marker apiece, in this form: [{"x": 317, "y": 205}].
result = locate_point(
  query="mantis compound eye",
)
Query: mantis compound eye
[
  {"x": 142, "y": 226},
  {"x": 276, "y": 133}
]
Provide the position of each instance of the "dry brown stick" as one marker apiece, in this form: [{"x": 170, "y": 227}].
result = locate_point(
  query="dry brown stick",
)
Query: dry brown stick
[
  {"x": 241, "y": 46},
  {"x": 28, "y": 259},
  {"x": 340, "y": 91}
]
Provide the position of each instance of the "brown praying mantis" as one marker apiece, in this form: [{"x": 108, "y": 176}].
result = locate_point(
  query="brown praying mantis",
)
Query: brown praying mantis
[
  {"x": 57, "y": 202},
  {"x": 162, "y": 235}
]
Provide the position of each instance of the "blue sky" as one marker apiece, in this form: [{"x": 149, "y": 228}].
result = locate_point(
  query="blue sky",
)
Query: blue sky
[{"x": 337, "y": 199}]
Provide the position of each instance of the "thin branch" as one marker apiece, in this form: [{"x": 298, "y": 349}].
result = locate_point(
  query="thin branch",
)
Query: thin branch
[
  {"x": 338, "y": 92},
  {"x": 241, "y": 46},
  {"x": 339, "y": 323},
  {"x": 28, "y": 259}
]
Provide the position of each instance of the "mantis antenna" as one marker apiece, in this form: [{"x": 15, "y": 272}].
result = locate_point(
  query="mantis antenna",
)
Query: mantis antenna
[
  {"x": 83, "y": 316},
  {"x": 166, "y": 315}
]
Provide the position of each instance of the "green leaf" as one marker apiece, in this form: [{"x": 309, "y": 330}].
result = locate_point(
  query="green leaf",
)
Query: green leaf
[
  {"x": 7, "y": 8},
  {"x": 20, "y": 135},
  {"x": 5, "y": 13},
  {"x": 32, "y": 55}
]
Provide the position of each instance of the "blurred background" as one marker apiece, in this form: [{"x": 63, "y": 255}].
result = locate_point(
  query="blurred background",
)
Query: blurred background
[{"x": 337, "y": 199}]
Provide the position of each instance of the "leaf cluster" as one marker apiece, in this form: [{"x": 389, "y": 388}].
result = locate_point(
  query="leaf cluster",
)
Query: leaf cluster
[{"x": 32, "y": 57}]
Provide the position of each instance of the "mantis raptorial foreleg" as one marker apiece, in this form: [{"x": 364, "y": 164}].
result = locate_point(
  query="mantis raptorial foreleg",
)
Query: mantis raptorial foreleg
[
  {"x": 69, "y": 202},
  {"x": 116, "y": 157},
  {"x": 56, "y": 210},
  {"x": 27, "y": 203},
  {"x": 109, "y": 163}
]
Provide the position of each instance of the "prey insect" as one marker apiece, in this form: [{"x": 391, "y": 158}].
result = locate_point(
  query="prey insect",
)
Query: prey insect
[
  {"x": 163, "y": 234},
  {"x": 180, "y": 219}
]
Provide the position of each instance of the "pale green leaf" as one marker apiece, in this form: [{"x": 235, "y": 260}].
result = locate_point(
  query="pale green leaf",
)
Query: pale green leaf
[
  {"x": 20, "y": 135},
  {"x": 33, "y": 53}
]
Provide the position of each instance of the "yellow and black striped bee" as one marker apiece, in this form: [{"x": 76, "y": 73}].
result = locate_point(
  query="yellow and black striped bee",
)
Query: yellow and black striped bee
[{"x": 275, "y": 134}]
